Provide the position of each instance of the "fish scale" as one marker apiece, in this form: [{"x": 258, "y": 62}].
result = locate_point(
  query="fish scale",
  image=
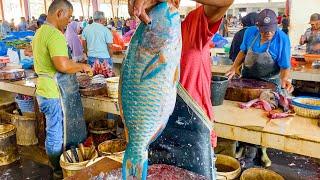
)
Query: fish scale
[{"x": 148, "y": 84}]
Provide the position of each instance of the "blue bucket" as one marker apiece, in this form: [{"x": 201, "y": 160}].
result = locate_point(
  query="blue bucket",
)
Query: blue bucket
[{"x": 25, "y": 105}]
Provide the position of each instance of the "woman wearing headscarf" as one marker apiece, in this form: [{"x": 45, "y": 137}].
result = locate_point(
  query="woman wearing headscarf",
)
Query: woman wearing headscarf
[
  {"x": 247, "y": 21},
  {"x": 74, "y": 41}
]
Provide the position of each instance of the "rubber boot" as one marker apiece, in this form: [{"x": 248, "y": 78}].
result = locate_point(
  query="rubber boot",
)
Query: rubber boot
[
  {"x": 265, "y": 158},
  {"x": 249, "y": 154},
  {"x": 239, "y": 153},
  {"x": 55, "y": 163}
]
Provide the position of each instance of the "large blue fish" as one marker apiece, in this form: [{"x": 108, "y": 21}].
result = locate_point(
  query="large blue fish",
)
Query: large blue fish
[{"x": 148, "y": 84}]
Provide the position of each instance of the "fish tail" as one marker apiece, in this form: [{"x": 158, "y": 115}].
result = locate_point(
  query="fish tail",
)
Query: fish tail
[{"x": 133, "y": 166}]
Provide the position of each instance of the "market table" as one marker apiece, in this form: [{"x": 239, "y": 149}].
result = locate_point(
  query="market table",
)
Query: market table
[{"x": 295, "y": 134}]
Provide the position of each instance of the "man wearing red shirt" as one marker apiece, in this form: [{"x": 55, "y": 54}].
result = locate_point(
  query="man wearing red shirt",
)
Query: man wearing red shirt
[{"x": 185, "y": 142}]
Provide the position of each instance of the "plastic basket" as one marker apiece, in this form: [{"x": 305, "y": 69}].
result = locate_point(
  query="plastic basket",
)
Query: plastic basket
[
  {"x": 307, "y": 106},
  {"x": 25, "y": 105}
]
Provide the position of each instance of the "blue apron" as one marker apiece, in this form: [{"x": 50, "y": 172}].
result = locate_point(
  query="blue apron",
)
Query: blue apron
[
  {"x": 261, "y": 66},
  {"x": 185, "y": 142},
  {"x": 74, "y": 125}
]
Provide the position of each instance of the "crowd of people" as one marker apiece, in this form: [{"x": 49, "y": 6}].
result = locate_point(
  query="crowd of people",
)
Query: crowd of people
[
  {"x": 234, "y": 21},
  {"x": 91, "y": 40},
  {"x": 24, "y": 25}
]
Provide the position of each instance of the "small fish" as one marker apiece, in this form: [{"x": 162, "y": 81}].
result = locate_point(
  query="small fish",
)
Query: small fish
[{"x": 148, "y": 85}]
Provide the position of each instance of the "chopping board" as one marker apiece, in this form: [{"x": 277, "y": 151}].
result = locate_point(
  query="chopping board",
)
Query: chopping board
[{"x": 245, "y": 90}]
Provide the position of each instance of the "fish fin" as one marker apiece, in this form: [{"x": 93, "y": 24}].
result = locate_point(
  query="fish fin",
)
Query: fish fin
[
  {"x": 138, "y": 169},
  {"x": 157, "y": 63},
  {"x": 176, "y": 76}
]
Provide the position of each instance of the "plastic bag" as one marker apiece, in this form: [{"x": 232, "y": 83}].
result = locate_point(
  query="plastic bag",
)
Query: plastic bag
[
  {"x": 13, "y": 55},
  {"x": 219, "y": 41}
]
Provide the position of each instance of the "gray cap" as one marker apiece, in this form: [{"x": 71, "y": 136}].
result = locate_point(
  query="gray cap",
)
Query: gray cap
[
  {"x": 314, "y": 17},
  {"x": 267, "y": 20},
  {"x": 98, "y": 15}
]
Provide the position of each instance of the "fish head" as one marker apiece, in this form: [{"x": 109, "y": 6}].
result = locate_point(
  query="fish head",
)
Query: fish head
[{"x": 270, "y": 97}]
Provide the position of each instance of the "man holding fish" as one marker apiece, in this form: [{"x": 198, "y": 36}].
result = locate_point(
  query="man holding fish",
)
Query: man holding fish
[{"x": 188, "y": 137}]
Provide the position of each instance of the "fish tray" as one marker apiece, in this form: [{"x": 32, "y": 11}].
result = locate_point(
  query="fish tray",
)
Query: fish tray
[{"x": 307, "y": 106}]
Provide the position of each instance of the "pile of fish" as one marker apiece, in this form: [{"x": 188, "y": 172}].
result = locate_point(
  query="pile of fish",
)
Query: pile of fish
[
  {"x": 270, "y": 101},
  {"x": 102, "y": 68},
  {"x": 155, "y": 172}
]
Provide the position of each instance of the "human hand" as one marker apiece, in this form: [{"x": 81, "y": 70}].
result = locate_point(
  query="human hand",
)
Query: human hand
[
  {"x": 87, "y": 69},
  {"x": 138, "y": 8},
  {"x": 230, "y": 73},
  {"x": 287, "y": 85},
  {"x": 302, "y": 39}
]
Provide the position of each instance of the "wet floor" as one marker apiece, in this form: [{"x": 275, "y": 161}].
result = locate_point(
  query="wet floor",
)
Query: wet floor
[
  {"x": 33, "y": 164},
  {"x": 294, "y": 167}
]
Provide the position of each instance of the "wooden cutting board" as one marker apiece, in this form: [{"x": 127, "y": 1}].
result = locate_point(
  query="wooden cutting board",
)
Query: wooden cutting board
[{"x": 245, "y": 90}]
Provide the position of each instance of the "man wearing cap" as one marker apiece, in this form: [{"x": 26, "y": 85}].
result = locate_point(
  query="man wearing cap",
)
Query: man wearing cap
[
  {"x": 265, "y": 55},
  {"x": 312, "y": 35},
  {"x": 97, "y": 42}
]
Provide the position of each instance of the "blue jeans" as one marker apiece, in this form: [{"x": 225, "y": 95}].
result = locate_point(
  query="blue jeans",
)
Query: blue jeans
[
  {"x": 52, "y": 109},
  {"x": 91, "y": 61}
]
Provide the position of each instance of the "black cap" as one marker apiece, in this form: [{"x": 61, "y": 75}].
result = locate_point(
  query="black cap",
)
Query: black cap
[{"x": 267, "y": 21}]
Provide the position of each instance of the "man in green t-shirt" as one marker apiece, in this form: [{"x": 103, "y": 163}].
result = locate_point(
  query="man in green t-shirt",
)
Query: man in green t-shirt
[{"x": 52, "y": 64}]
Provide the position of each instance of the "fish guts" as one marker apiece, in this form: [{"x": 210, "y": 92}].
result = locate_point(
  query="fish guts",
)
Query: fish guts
[{"x": 148, "y": 84}]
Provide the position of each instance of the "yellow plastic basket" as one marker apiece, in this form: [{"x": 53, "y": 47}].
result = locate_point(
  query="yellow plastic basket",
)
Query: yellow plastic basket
[{"x": 307, "y": 107}]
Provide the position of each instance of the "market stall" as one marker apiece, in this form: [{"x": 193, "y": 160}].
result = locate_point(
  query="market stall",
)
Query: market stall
[{"x": 250, "y": 125}]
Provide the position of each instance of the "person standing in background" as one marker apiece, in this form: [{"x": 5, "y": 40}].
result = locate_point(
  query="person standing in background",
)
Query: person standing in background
[
  {"x": 285, "y": 24},
  {"x": 279, "y": 18},
  {"x": 12, "y": 25},
  {"x": 223, "y": 29},
  {"x": 4, "y": 28},
  {"x": 22, "y": 26},
  {"x": 312, "y": 35},
  {"x": 74, "y": 42},
  {"x": 41, "y": 20},
  {"x": 97, "y": 43}
]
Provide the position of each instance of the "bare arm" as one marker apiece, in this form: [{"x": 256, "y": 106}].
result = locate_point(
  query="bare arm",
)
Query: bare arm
[
  {"x": 85, "y": 49},
  {"x": 215, "y": 9},
  {"x": 284, "y": 78},
  {"x": 64, "y": 65},
  {"x": 110, "y": 49},
  {"x": 239, "y": 60},
  {"x": 237, "y": 63}
]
